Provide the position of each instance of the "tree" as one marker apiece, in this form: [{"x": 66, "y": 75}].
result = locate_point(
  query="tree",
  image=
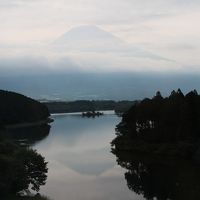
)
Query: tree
[
  {"x": 35, "y": 168},
  {"x": 158, "y": 96},
  {"x": 20, "y": 168},
  {"x": 173, "y": 118}
]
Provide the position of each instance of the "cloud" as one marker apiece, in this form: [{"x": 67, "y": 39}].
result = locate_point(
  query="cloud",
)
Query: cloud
[{"x": 169, "y": 29}]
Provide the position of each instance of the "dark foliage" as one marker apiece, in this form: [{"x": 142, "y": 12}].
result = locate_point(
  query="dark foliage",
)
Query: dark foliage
[
  {"x": 27, "y": 135},
  {"x": 91, "y": 114},
  {"x": 16, "y": 108},
  {"x": 35, "y": 197},
  {"x": 20, "y": 168},
  {"x": 171, "y": 119},
  {"x": 84, "y": 106},
  {"x": 161, "y": 179}
]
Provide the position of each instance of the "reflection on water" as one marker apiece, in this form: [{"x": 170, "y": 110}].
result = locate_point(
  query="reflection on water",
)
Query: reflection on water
[
  {"x": 28, "y": 135},
  {"x": 81, "y": 166},
  {"x": 160, "y": 178}
]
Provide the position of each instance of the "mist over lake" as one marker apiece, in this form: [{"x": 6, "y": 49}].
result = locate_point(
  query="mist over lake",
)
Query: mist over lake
[{"x": 98, "y": 86}]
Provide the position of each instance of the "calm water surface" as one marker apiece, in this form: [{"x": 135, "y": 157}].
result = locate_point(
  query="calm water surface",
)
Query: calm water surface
[{"x": 81, "y": 166}]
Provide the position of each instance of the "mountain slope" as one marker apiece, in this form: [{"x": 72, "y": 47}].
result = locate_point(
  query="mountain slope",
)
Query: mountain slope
[
  {"x": 86, "y": 33},
  {"x": 93, "y": 46},
  {"x": 87, "y": 39}
]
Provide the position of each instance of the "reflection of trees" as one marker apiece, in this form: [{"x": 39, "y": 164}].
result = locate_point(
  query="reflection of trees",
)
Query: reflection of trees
[
  {"x": 29, "y": 134},
  {"x": 161, "y": 127},
  {"x": 155, "y": 178}
]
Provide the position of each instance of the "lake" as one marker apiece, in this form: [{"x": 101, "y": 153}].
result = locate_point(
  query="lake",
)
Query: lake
[{"x": 81, "y": 166}]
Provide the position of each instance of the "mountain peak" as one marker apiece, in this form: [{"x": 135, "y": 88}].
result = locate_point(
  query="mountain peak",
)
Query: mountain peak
[
  {"x": 86, "y": 33},
  {"x": 86, "y": 28}
]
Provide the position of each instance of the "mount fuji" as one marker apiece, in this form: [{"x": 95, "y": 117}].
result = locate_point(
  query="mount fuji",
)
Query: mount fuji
[
  {"x": 93, "y": 48},
  {"x": 90, "y": 38},
  {"x": 87, "y": 38}
]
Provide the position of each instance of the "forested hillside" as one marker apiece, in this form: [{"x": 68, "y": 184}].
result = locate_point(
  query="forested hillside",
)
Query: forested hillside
[
  {"x": 17, "y": 108},
  {"x": 86, "y": 105},
  {"x": 21, "y": 168},
  {"x": 169, "y": 125}
]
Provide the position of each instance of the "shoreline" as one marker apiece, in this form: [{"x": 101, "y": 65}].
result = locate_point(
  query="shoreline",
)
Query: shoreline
[
  {"x": 29, "y": 124},
  {"x": 181, "y": 149},
  {"x": 105, "y": 112}
]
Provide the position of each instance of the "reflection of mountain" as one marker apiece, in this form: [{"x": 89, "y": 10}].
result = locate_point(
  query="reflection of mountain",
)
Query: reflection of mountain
[
  {"x": 28, "y": 135},
  {"x": 81, "y": 144},
  {"x": 95, "y": 162},
  {"x": 160, "y": 179}
]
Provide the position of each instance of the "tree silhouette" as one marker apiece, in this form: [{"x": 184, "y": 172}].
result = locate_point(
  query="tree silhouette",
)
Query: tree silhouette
[
  {"x": 20, "y": 168},
  {"x": 172, "y": 118}
]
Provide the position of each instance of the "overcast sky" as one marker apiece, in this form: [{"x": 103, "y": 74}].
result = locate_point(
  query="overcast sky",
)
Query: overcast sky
[{"x": 169, "y": 29}]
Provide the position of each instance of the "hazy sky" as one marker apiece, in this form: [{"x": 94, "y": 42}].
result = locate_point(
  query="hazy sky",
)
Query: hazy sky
[{"x": 168, "y": 32}]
